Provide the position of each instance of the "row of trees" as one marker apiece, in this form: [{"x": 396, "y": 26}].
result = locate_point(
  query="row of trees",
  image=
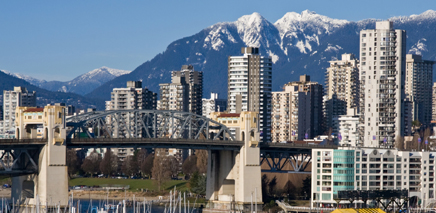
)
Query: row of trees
[
  {"x": 157, "y": 164},
  {"x": 270, "y": 191},
  {"x": 415, "y": 144}
]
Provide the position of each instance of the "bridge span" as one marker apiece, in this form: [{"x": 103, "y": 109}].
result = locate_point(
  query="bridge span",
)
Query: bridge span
[{"x": 234, "y": 172}]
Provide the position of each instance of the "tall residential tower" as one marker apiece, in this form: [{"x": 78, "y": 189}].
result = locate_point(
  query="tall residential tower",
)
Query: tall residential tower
[
  {"x": 249, "y": 87},
  {"x": 382, "y": 79},
  {"x": 419, "y": 80},
  {"x": 297, "y": 111},
  {"x": 341, "y": 87}
]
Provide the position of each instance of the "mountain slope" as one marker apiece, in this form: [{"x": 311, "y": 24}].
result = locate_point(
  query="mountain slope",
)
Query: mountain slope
[
  {"x": 82, "y": 84},
  {"x": 45, "y": 97},
  {"x": 298, "y": 44}
]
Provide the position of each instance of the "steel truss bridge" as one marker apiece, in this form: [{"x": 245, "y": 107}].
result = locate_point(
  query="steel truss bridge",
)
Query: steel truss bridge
[{"x": 151, "y": 129}]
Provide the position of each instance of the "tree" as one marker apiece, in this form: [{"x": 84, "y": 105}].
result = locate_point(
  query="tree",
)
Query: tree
[
  {"x": 91, "y": 164},
  {"x": 174, "y": 166},
  {"x": 272, "y": 186},
  {"x": 197, "y": 183},
  {"x": 306, "y": 188},
  {"x": 128, "y": 168},
  {"x": 109, "y": 163},
  {"x": 416, "y": 124},
  {"x": 264, "y": 183},
  {"x": 161, "y": 171},
  {"x": 190, "y": 165},
  {"x": 399, "y": 143},
  {"x": 201, "y": 161},
  {"x": 147, "y": 165},
  {"x": 290, "y": 190},
  {"x": 72, "y": 162}
]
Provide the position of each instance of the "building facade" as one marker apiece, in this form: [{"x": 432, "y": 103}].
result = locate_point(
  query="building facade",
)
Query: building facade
[
  {"x": 134, "y": 96},
  {"x": 12, "y": 99},
  {"x": 419, "y": 80},
  {"x": 194, "y": 80},
  {"x": 249, "y": 87},
  {"x": 346, "y": 128},
  {"x": 297, "y": 111},
  {"x": 371, "y": 169},
  {"x": 185, "y": 91},
  {"x": 433, "y": 108},
  {"x": 382, "y": 79},
  {"x": 214, "y": 104},
  {"x": 341, "y": 87}
]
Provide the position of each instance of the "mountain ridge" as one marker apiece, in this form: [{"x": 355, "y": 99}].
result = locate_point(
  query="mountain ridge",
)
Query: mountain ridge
[
  {"x": 81, "y": 84},
  {"x": 298, "y": 44}
]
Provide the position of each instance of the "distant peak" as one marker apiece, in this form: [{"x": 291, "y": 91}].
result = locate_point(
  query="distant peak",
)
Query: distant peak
[
  {"x": 252, "y": 18},
  {"x": 307, "y": 12}
]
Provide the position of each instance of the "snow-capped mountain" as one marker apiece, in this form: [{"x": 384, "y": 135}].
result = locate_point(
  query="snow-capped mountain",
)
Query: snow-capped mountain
[
  {"x": 27, "y": 78},
  {"x": 299, "y": 43},
  {"x": 82, "y": 84}
]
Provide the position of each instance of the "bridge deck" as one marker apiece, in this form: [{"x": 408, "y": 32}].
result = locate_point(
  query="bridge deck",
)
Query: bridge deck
[
  {"x": 153, "y": 143},
  {"x": 21, "y": 143}
]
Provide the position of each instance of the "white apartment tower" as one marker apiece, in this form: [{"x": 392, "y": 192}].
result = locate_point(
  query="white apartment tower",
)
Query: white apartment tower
[
  {"x": 297, "y": 111},
  {"x": 249, "y": 87},
  {"x": 382, "y": 79},
  {"x": 214, "y": 104},
  {"x": 11, "y": 100},
  {"x": 419, "y": 79},
  {"x": 132, "y": 97},
  {"x": 341, "y": 87}
]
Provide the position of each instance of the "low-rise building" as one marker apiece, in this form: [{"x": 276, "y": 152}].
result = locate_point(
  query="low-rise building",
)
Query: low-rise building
[{"x": 334, "y": 170}]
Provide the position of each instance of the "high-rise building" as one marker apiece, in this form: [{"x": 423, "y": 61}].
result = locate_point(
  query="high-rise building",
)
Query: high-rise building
[
  {"x": 419, "y": 79},
  {"x": 382, "y": 79},
  {"x": 249, "y": 87},
  {"x": 184, "y": 94},
  {"x": 297, "y": 111},
  {"x": 194, "y": 80},
  {"x": 214, "y": 104},
  {"x": 11, "y": 100},
  {"x": 341, "y": 87},
  {"x": 185, "y": 91},
  {"x": 434, "y": 103},
  {"x": 131, "y": 97}
]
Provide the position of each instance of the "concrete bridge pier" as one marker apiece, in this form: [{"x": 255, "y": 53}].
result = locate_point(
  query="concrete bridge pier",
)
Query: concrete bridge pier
[
  {"x": 234, "y": 177},
  {"x": 49, "y": 186}
]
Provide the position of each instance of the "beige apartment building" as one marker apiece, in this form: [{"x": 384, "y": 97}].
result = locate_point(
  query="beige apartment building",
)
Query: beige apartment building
[
  {"x": 185, "y": 91},
  {"x": 382, "y": 79},
  {"x": 341, "y": 87},
  {"x": 297, "y": 111},
  {"x": 419, "y": 79}
]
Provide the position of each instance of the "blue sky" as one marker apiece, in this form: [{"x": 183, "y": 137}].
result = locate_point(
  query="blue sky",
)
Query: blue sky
[{"x": 59, "y": 40}]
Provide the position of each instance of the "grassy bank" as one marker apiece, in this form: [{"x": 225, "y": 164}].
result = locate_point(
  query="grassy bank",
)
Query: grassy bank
[{"x": 135, "y": 184}]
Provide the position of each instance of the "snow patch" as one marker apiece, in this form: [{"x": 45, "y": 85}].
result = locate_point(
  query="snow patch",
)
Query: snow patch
[
  {"x": 274, "y": 57},
  {"x": 419, "y": 47},
  {"x": 331, "y": 48}
]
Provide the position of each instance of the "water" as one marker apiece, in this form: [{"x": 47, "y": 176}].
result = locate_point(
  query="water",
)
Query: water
[{"x": 86, "y": 207}]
